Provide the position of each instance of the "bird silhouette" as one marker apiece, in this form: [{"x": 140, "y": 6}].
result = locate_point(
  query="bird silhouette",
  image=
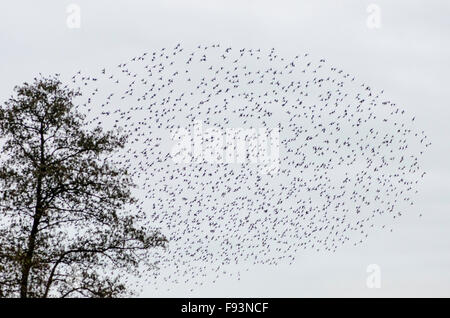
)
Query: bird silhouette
[{"x": 348, "y": 164}]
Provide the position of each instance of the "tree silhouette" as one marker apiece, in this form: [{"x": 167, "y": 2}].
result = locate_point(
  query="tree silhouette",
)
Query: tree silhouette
[{"x": 66, "y": 224}]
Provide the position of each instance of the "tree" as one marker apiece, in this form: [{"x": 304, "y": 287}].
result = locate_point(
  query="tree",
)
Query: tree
[{"x": 67, "y": 228}]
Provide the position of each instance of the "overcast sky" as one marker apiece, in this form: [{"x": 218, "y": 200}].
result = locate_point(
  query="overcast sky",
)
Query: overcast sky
[{"x": 407, "y": 56}]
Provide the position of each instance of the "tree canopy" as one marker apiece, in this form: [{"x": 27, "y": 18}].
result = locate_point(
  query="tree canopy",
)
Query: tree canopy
[{"x": 67, "y": 223}]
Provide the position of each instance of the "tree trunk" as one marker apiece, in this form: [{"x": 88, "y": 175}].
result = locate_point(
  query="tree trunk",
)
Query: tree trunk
[
  {"x": 30, "y": 250},
  {"x": 27, "y": 262}
]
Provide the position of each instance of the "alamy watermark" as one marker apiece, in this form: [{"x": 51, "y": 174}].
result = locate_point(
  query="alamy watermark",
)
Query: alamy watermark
[
  {"x": 374, "y": 17},
  {"x": 374, "y": 278},
  {"x": 258, "y": 146},
  {"x": 73, "y": 20}
]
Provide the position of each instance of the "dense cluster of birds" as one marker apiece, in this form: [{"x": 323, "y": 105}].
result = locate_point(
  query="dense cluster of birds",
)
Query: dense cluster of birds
[{"x": 349, "y": 160}]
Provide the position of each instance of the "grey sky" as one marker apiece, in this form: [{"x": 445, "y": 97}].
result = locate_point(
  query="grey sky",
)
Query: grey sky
[{"x": 407, "y": 57}]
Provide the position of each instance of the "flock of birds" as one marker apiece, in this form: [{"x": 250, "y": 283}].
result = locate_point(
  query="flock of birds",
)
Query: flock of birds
[{"x": 349, "y": 160}]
